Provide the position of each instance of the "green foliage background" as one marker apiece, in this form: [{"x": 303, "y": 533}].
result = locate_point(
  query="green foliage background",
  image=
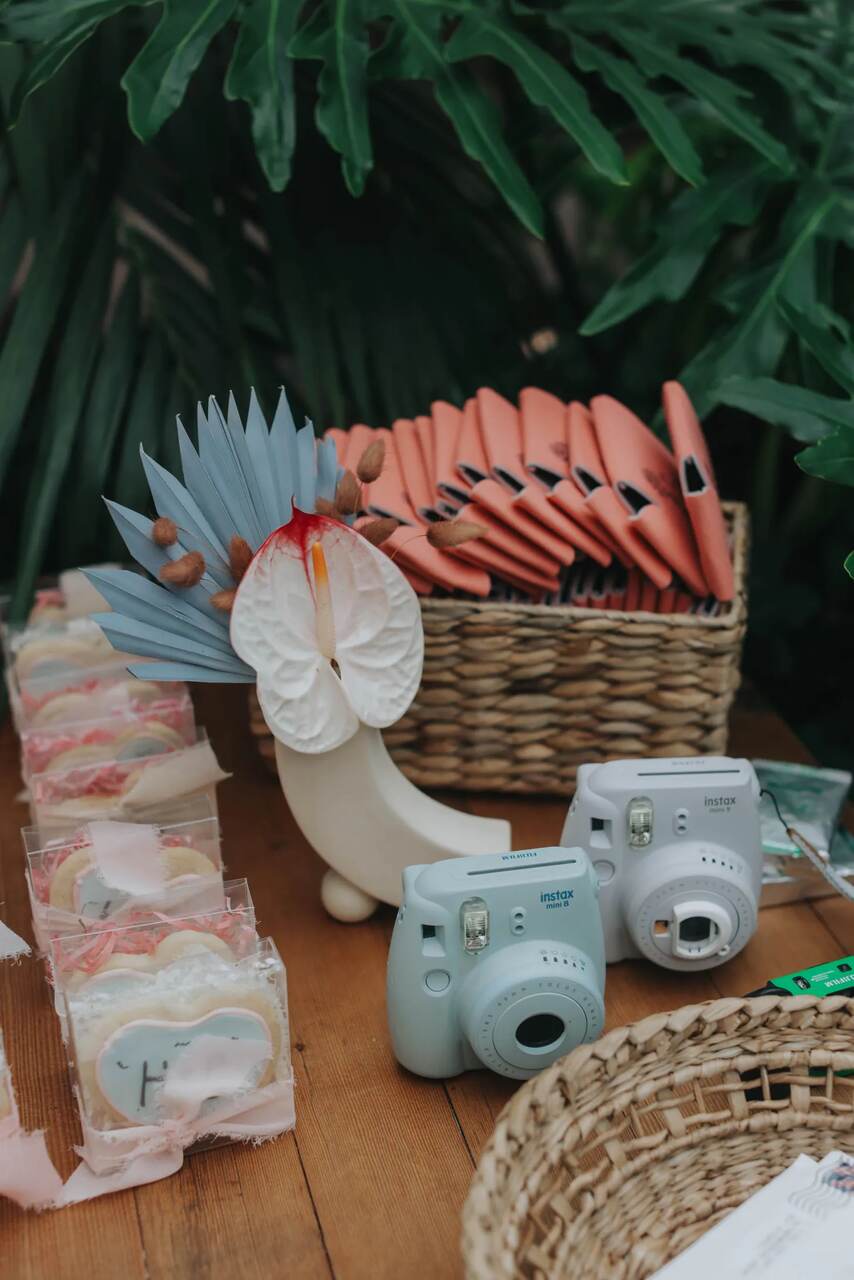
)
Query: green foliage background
[{"x": 381, "y": 202}]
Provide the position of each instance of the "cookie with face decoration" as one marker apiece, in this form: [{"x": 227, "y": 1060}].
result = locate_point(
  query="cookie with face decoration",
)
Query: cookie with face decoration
[
  {"x": 203, "y": 1032},
  {"x": 78, "y": 886}
]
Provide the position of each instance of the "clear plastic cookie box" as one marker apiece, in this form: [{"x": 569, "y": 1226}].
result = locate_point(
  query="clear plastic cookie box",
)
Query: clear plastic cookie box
[
  {"x": 197, "y": 1053},
  {"x": 165, "y": 724},
  {"x": 117, "y": 789},
  {"x": 71, "y": 694},
  {"x": 115, "y": 957},
  {"x": 70, "y": 891}
]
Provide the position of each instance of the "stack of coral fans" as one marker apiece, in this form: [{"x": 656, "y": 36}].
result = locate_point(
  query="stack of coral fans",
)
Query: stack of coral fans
[{"x": 543, "y": 500}]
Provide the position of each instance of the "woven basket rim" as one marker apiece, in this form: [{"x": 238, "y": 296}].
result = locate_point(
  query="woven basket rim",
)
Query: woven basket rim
[
  {"x": 589, "y": 1062},
  {"x": 566, "y": 1106},
  {"x": 735, "y": 615}
]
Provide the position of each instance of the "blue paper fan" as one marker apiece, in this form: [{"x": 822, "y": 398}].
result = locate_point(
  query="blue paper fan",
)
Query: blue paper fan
[{"x": 239, "y": 480}]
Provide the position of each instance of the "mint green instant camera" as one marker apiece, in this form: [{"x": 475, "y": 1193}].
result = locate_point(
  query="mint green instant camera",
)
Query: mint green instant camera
[{"x": 496, "y": 961}]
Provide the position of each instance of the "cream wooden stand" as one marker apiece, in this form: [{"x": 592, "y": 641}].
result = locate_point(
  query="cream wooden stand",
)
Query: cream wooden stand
[{"x": 368, "y": 822}]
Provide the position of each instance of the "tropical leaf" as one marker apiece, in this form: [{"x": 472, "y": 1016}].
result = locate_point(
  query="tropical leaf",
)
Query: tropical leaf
[
  {"x": 261, "y": 73},
  {"x": 414, "y": 52},
  {"x": 105, "y": 410},
  {"x": 544, "y": 80},
  {"x": 723, "y": 96},
  {"x": 807, "y": 415},
  {"x": 661, "y": 123},
  {"x": 59, "y": 28},
  {"x": 688, "y": 233},
  {"x": 36, "y": 315},
  {"x": 157, "y": 79},
  {"x": 757, "y": 339},
  {"x": 68, "y": 387},
  {"x": 831, "y": 458},
  {"x": 815, "y": 329},
  {"x": 336, "y": 34}
]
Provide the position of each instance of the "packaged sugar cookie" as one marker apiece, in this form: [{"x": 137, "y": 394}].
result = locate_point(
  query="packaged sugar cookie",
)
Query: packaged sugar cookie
[
  {"x": 62, "y": 799},
  {"x": 166, "y": 724},
  {"x": 70, "y": 595},
  {"x": 115, "y": 957},
  {"x": 110, "y": 871},
  {"x": 200, "y": 1051},
  {"x": 87, "y": 693},
  {"x": 47, "y": 649}
]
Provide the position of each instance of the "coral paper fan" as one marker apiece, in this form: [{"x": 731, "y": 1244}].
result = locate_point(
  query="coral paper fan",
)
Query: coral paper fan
[{"x": 333, "y": 631}]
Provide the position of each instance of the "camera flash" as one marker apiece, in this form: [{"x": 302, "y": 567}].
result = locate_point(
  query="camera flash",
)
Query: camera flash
[
  {"x": 474, "y": 915},
  {"x": 640, "y": 822}
]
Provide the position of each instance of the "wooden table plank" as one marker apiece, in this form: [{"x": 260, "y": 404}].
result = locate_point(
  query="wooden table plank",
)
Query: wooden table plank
[{"x": 372, "y": 1182}]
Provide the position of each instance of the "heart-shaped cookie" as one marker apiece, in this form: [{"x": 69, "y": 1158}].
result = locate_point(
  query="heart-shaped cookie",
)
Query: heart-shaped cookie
[
  {"x": 132, "y": 1069},
  {"x": 141, "y": 1031}
]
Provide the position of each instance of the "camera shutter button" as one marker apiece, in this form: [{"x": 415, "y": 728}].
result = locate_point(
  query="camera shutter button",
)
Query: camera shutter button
[{"x": 437, "y": 980}]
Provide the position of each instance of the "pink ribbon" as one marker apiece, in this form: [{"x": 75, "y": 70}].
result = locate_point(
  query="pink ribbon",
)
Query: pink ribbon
[
  {"x": 116, "y": 1159},
  {"x": 120, "y": 1158},
  {"x": 27, "y": 1175},
  {"x": 102, "y": 938}
]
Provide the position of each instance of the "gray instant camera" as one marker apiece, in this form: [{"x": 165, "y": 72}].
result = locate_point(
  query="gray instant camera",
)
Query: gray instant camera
[
  {"x": 677, "y": 850},
  {"x": 496, "y": 961}
]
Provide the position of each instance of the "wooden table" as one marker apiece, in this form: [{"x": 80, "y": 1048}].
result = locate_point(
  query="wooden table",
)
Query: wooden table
[{"x": 372, "y": 1182}]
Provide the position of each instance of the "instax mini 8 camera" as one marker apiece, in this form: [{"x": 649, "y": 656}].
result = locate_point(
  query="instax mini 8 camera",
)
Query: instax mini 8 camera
[{"x": 496, "y": 961}]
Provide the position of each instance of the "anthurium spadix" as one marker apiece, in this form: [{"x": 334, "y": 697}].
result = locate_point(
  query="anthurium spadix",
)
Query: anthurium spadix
[{"x": 251, "y": 585}]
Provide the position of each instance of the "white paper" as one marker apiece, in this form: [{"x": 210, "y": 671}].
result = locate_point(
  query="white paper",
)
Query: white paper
[
  {"x": 128, "y": 856},
  {"x": 800, "y": 1225},
  {"x": 11, "y": 946}
]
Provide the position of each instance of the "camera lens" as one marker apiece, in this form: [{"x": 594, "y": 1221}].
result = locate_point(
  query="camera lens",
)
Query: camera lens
[
  {"x": 695, "y": 929},
  {"x": 540, "y": 1030}
]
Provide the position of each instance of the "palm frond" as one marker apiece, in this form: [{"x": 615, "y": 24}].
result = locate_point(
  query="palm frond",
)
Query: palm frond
[{"x": 241, "y": 481}]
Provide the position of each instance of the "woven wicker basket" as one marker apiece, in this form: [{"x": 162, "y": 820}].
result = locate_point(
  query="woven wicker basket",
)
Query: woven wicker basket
[
  {"x": 624, "y": 1152},
  {"x": 515, "y": 696}
]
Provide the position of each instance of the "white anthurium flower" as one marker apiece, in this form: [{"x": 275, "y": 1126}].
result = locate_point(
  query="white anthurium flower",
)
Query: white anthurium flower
[{"x": 333, "y": 631}]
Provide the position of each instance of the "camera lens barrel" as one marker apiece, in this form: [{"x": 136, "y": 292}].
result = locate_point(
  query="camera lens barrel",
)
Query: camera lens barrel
[
  {"x": 529, "y": 1004},
  {"x": 692, "y": 908}
]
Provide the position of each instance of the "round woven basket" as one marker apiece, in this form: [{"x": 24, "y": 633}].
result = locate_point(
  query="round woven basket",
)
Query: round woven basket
[{"x": 619, "y": 1156}]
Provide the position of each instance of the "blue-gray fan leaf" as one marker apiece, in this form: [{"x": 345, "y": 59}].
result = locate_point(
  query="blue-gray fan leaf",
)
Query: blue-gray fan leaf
[
  {"x": 258, "y": 444},
  {"x": 202, "y": 487},
  {"x": 236, "y": 438},
  {"x": 188, "y": 671},
  {"x": 130, "y": 636},
  {"x": 306, "y": 488},
  {"x": 217, "y": 454},
  {"x": 173, "y": 500},
  {"x": 135, "y": 531},
  {"x": 236, "y": 482},
  {"x": 327, "y": 470},
  {"x": 133, "y": 596},
  {"x": 283, "y": 448}
]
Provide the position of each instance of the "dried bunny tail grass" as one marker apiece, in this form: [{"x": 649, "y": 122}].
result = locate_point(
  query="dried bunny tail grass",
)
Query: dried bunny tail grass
[
  {"x": 164, "y": 532},
  {"x": 324, "y": 507},
  {"x": 348, "y": 495},
  {"x": 376, "y": 531},
  {"x": 370, "y": 465},
  {"x": 186, "y": 572},
  {"x": 223, "y": 600},
  {"x": 453, "y": 533},
  {"x": 239, "y": 556}
]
